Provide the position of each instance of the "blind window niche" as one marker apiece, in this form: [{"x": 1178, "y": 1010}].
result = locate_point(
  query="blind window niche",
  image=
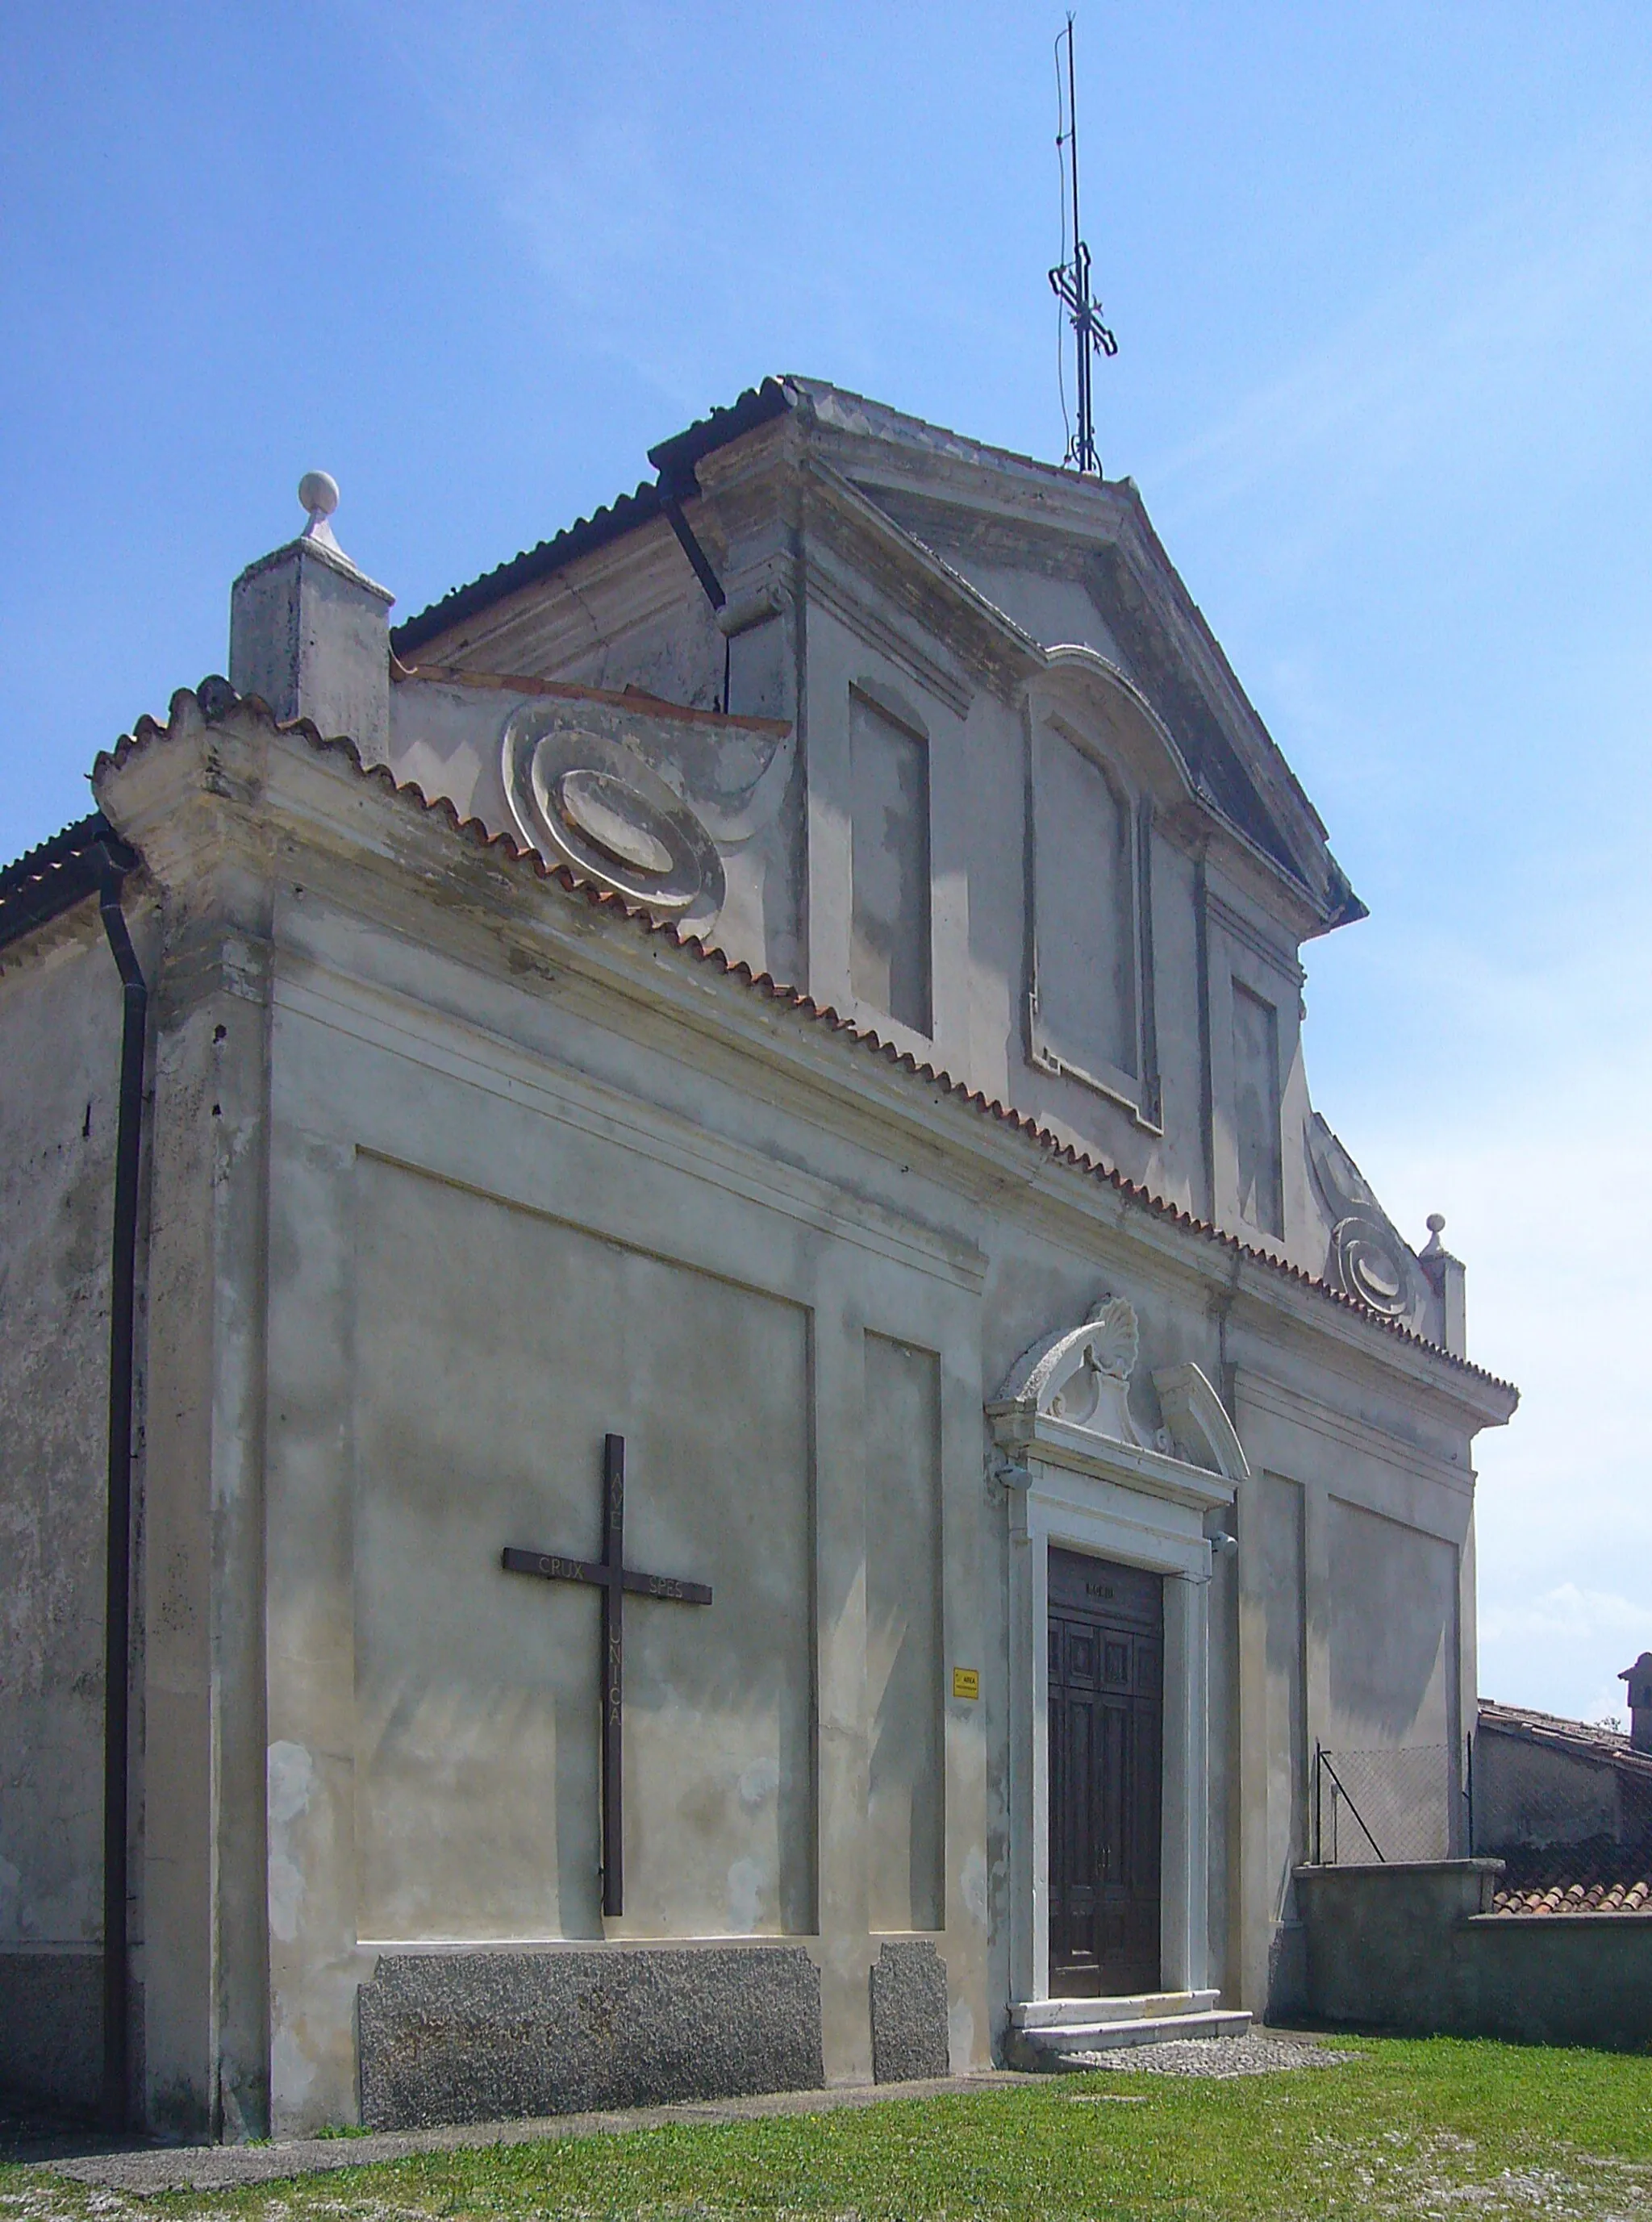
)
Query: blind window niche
[
  {"x": 1256, "y": 1110},
  {"x": 1085, "y": 947},
  {"x": 889, "y": 939}
]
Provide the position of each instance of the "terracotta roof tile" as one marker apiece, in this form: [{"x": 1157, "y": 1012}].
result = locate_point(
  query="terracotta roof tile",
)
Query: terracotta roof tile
[
  {"x": 215, "y": 698},
  {"x": 635, "y": 699},
  {"x": 1598, "y": 1877}
]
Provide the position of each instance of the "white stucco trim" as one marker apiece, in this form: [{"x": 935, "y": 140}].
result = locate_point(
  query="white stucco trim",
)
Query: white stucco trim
[{"x": 1082, "y": 1491}]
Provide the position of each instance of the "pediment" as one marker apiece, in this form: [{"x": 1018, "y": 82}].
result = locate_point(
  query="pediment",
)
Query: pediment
[
  {"x": 1082, "y": 1374},
  {"x": 877, "y": 549},
  {"x": 1070, "y": 1393},
  {"x": 1100, "y": 538}
]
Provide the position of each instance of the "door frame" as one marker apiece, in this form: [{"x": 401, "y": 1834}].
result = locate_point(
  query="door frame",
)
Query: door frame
[{"x": 1069, "y": 1486}]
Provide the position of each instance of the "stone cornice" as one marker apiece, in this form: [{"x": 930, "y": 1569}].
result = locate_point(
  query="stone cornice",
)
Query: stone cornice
[
  {"x": 993, "y": 645},
  {"x": 1028, "y": 1434},
  {"x": 223, "y": 795}
]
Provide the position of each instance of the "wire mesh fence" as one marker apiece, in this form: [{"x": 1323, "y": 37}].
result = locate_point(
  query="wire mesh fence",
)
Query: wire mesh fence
[
  {"x": 1373, "y": 1808},
  {"x": 1566, "y": 1806},
  {"x": 1525, "y": 1797}
]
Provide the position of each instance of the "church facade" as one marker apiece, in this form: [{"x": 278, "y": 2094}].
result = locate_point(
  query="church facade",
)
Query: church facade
[{"x": 766, "y": 1428}]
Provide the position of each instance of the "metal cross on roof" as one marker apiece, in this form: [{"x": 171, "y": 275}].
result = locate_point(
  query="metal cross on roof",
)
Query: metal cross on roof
[
  {"x": 1069, "y": 281},
  {"x": 613, "y": 1578}
]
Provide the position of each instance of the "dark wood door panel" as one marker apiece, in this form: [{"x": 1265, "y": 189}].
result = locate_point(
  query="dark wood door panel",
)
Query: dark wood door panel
[{"x": 1106, "y": 1658}]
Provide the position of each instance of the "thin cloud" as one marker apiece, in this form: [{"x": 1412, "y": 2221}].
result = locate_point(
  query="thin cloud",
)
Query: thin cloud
[
  {"x": 571, "y": 158},
  {"x": 1568, "y": 1613},
  {"x": 1451, "y": 376}
]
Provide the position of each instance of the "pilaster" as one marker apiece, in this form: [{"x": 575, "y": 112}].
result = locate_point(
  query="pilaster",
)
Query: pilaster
[
  {"x": 842, "y": 1763},
  {"x": 206, "y": 1993}
]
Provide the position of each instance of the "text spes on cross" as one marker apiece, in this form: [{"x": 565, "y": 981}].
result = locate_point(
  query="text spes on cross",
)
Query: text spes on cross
[{"x": 613, "y": 1578}]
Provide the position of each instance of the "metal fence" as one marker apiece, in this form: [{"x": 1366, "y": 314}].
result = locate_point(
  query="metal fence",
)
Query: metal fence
[
  {"x": 1375, "y": 1808},
  {"x": 1545, "y": 1803},
  {"x": 1572, "y": 1825}
]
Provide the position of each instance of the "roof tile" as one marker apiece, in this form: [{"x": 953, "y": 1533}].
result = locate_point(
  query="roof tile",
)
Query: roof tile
[{"x": 214, "y": 698}]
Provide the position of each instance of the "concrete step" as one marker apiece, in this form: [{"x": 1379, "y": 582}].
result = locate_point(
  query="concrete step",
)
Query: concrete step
[
  {"x": 1083, "y": 2013},
  {"x": 1046, "y": 2046}
]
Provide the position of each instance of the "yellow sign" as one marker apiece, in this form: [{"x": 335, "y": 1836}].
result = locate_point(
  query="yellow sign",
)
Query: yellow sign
[{"x": 966, "y": 1682}]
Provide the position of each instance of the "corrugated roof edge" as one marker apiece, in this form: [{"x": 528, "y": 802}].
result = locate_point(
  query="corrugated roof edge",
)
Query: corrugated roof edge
[
  {"x": 759, "y": 404},
  {"x": 582, "y": 538},
  {"x": 55, "y": 875},
  {"x": 674, "y": 459},
  {"x": 214, "y": 698}
]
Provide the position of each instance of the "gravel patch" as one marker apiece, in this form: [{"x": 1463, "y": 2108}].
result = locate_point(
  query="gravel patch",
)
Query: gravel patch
[{"x": 1251, "y": 2055}]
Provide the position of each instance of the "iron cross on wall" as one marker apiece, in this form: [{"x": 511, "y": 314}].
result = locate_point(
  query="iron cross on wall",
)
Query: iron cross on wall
[{"x": 613, "y": 1578}]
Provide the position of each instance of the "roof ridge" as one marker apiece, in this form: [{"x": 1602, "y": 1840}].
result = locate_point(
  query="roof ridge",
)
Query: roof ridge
[{"x": 216, "y": 698}]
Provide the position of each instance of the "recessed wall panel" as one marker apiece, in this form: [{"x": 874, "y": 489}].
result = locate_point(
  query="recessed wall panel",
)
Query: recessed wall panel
[
  {"x": 1086, "y": 950},
  {"x": 889, "y": 948},
  {"x": 496, "y": 1348},
  {"x": 906, "y": 1799},
  {"x": 1256, "y": 1110}
]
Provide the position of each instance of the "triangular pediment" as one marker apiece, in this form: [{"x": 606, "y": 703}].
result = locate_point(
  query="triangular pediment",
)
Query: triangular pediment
[{"x": 1145, "y": 621}]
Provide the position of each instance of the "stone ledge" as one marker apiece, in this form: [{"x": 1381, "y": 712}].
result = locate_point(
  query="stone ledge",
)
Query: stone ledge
[{"x": 145, "y": 2170}]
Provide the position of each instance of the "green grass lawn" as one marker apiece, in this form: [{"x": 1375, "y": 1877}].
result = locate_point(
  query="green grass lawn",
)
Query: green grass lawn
[{"x": 1441, "y": 2128}]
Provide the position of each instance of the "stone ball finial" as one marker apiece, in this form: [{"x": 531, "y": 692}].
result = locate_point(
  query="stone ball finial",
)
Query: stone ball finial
[
  {"x": 1437, "y": 1222},
  {"x": 318, "y": 492}
]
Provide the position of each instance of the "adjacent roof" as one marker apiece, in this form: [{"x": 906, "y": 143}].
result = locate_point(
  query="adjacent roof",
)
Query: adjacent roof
[
  {"x": 214, "y": 698},
  {"x": 1599, "y": 1875},
  {"x": 583, "y": 537},
  {"x": 1579, "y": 1739},
  {"x": 56, "y": 876},
  {"x": 674, "y": 459}
]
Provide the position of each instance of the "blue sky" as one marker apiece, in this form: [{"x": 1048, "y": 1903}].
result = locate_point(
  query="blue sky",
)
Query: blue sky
[{"x": 1382, "y": 278}]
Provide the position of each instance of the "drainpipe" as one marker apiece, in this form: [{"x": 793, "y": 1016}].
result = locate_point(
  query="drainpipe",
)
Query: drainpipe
[
  {"x": 135, "y": 999},
  {"x": 673, "y": 488}
]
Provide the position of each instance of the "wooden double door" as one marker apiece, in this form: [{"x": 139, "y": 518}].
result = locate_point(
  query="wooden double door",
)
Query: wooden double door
[{"x": 1106, "y": 1722}]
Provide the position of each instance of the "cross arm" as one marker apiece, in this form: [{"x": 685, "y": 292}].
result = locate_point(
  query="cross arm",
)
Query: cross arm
[
  {"x": 551, "y": 1568},
  {"x": 667, "y": 1586}
]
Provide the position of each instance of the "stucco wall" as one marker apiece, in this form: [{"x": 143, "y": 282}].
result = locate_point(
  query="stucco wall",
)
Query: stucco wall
[
  {"x": 59, "y": 1048},
  {"x": 498, "y": 1233},
  {"x": 495, "y": 1347},
  {"x": 1527, "y": 1793},
  {"x": 1412, "y": 1950},
  {"x": 461, "y": 1175},
  {"x": 59, "y": 1044}
]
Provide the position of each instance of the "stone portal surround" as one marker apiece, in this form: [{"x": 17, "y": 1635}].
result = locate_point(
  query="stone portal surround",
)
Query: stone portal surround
[{"x": 1080, "y": 1475}]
